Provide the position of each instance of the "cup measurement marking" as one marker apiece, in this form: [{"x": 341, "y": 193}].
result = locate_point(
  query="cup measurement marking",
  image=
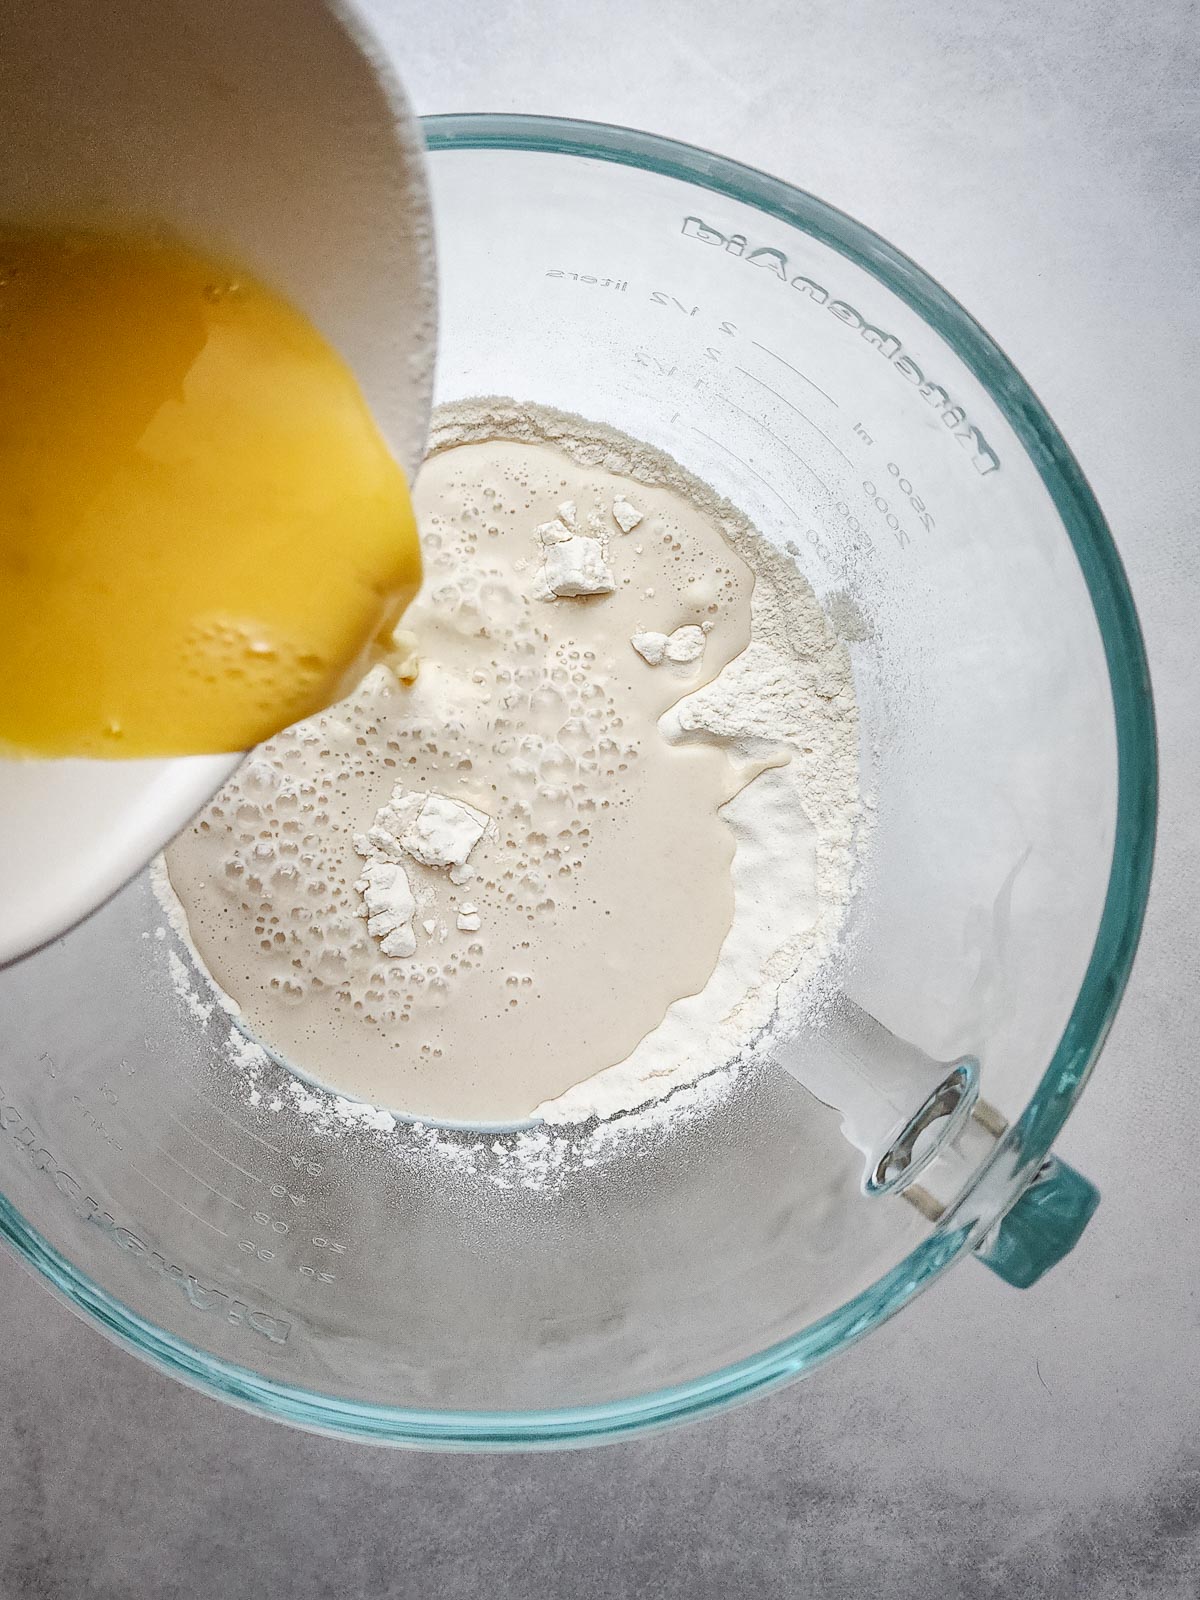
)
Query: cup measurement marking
[
  {"x": 280, "y": 1191},
  {"x": 212, "y": 1150},
  {"x": 767, "y": 351},
  {"x": 238, "y": 1125},
  {"x": 812, "y": 536},
  {"x": 782, "y": 443},
  {"x": 167, "y": 1196},
  {"x": 742, "y": 462},
  {"x": 196, "y": 1178},
  {"x": 793, "y": 407}
]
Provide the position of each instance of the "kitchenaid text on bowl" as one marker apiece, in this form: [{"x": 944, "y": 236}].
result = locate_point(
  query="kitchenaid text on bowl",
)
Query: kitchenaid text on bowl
[{"x": 981, "y": 455}]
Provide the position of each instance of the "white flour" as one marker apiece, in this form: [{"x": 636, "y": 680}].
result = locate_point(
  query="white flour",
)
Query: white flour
[
  {"x": 787, "y": 699},
  {"x": 786, "y": 706}
]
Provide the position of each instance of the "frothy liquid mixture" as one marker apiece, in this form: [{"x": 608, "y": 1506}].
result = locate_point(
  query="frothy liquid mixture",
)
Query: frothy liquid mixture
[
  {"x": 201, "y": 527},
  {"x": 570, "y": 880}
]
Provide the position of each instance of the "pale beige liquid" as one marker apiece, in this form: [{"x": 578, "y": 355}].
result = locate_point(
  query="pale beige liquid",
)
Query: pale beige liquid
[{"x": 604, "y": 890}]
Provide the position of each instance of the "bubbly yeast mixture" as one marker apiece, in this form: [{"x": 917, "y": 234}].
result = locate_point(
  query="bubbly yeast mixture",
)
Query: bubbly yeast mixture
[{"x": 460, "y": 896}]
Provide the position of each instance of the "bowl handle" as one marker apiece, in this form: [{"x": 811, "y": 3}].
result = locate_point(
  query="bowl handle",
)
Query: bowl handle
[
  {"x": 924, "y": 1130},
  {"x": 1043, "y": 1226}
]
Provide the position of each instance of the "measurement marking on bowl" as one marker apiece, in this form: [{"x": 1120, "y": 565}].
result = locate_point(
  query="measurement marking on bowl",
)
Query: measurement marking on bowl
[
  {"x": 228, "y": 1199},
  {"x": 168, "y": 1196},
  {"x": 245, "y": 1285},
  {"x": 782, "y": 443},
  {"x": 241, "y": 1127},
  {"x": 212, "y": 1149},
  {"x": 767, "y": 351},
  {"x": 742, "y": 462},
  {"x": 792, "y": 406}
]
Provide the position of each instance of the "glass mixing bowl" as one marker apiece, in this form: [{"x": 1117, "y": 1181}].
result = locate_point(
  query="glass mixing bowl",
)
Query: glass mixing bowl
[{"x": 395, "y": 1283}]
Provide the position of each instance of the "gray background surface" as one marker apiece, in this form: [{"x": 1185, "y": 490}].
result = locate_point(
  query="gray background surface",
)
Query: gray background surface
[{"x": 1042, "y": 161}]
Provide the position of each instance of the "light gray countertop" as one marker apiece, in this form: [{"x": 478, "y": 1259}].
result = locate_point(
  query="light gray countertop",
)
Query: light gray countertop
[{"x": 1042, "y": 161}]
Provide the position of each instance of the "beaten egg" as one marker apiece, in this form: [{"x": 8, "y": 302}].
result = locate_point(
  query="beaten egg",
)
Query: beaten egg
[{"x": 202, "y": 530}]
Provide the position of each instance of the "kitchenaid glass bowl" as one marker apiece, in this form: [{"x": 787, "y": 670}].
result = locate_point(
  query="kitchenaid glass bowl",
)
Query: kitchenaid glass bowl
[{"x": 398, "y": 1284}]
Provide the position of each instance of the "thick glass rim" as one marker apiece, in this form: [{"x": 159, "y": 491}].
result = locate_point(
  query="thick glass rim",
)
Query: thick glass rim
[{"x": 1099, "y": 996}]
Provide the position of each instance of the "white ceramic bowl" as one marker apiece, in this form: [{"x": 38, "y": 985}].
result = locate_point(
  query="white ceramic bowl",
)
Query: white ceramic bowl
[{"x": 271, "y": 131}]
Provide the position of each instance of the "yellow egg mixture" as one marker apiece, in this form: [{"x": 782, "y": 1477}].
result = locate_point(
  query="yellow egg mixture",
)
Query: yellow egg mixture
[{"x": 201, "y": 528}]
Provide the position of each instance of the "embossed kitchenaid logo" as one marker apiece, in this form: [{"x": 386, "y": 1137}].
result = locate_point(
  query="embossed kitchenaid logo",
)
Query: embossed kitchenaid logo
[
  {"x": 198, "y": 1295},
  {"x": 981, "y": 455}
]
